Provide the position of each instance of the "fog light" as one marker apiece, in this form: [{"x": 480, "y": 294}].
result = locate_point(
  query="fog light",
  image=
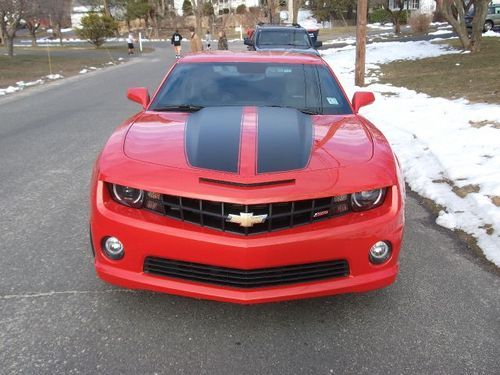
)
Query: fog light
[
  {"x": 380, "y": 252},
  {"x": 113, "y": 248}
]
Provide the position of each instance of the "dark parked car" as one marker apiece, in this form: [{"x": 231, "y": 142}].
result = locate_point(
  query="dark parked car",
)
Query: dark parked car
[
  {"x": 492, "y": 18},
  {"x": 282, "y": 38}
]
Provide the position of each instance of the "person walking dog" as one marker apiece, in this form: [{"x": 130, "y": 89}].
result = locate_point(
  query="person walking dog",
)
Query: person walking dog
[
  {"x": 196, "y": 45},
  {"x": 176, "y": 42}
]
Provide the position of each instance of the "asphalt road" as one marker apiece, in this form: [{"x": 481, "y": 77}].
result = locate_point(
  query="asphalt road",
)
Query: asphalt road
[{"x": 441, "y": 316}]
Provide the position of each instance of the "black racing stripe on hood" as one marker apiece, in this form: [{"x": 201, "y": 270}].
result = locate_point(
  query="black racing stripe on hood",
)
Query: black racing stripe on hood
[
  {"x": 285, "y": 138},
  {"x": 212, "y": 138}
]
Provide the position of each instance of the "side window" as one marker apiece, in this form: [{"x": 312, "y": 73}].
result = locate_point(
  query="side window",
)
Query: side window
[
  {"x": 332, "y": 98},
  {"x": 497, "y": 10}
]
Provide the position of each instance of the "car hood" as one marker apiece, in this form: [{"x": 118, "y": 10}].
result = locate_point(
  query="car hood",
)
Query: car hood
[{"x": 248, "y": 141}]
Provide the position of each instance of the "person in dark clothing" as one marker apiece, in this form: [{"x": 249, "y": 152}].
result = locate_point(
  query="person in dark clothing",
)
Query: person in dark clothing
[
  {"x": 222, "y": 45},
  {"x": 176, "y": 42}
]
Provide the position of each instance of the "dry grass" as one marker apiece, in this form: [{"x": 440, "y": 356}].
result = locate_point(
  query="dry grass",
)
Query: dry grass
[
  {"x": 31, "y": 64},
  {"x": 474, "y": 77}
]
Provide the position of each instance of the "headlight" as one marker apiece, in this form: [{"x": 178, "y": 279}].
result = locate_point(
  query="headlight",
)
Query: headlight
[
  {"x": 364, "y": 200},
  {"x": 127, "y": 195}
]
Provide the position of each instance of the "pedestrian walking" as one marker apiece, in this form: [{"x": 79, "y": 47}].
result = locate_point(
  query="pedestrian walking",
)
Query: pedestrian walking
[
  {"x": 130, "y": 44},
  {"x": 176, "y": 42},
  {"x": 208, "y": 39},
  {"x": 196, "y": 45},
  {"x": 222, "y": 45}
]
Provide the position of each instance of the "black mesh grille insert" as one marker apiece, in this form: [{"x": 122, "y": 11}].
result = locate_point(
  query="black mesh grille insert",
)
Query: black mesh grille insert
[
  {"x": 246, "y": 278},
  {"x": 234, "y": 218}
]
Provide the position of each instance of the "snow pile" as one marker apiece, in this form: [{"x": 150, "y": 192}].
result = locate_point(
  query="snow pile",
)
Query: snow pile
[
  {"x": 449, "y": 149},
  {"x": 20, "y": 85},
  {"x": 491, "y": 33},
  {"x": 380, "y": 26},
  {"x": 53, "y": 77},
  {"x": 441, "y": 32}
]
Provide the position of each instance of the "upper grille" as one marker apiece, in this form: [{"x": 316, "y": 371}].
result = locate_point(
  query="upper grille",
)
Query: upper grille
[
  {"x": 238, "y": 278},
  {"x": 215, "y": 215}
]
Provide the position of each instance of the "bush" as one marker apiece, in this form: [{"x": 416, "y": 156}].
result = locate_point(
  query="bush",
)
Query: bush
[
  {"x": 187, "y": 8},
  {"x": 96, "y": 28},
  {"x": 241, "y": 9},
  {"x": 379, "y": 16},
  {"x": 420, "y": 22}
]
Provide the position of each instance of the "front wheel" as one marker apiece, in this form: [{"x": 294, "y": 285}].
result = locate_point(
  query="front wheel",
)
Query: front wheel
[{"x": 488, "y": 25}]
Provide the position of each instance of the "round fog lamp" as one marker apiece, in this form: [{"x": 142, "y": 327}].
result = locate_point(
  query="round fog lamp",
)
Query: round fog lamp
[
  {"x": 380, "y": 252},
  {"x": 113, "y": 248}
]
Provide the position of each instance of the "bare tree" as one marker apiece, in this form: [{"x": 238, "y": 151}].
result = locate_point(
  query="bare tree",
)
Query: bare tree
[
  {"x": 58, "y": 12},
  {"x": 395, "y": 13},
  {"x": 11, "y": 12},
  {"x": 454, "y": 11},
  {"x": 33, "y": 15}
]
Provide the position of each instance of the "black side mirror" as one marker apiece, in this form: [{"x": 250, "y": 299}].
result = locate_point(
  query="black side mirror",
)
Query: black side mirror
[
  {"x": 318, "y": 44},
  {"x": 248, "y": 41}
]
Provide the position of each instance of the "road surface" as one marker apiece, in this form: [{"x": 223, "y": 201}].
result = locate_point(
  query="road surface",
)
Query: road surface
[{"x": 441, "y": 316}]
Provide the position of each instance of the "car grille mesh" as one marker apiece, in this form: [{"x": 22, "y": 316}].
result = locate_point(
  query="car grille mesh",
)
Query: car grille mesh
[
  {"x": 215, "y": 215},
  {"x": 238, "y": 278}
]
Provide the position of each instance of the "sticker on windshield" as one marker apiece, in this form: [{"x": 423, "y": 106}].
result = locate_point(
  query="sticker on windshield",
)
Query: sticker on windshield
[{"x": 333, "y": 101}]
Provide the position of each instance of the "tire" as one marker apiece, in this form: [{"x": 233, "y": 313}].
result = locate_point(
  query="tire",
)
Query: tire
[{"x": 488, "y": 25}]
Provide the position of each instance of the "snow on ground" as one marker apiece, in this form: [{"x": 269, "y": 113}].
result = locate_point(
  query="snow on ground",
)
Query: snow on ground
[
  {"x": 492, "y": 33},
  {"x": 449, "y": 149},
  {"x": 441, "y": 32},
  {"x": 20, "y": 85},
  {"x": 380, "y": 26}
]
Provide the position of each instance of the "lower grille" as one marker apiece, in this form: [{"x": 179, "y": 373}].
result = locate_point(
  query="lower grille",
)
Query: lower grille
[{"x": 237, "y": 278}]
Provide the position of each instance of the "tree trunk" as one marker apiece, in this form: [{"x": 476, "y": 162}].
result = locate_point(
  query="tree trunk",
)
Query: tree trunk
[
  {"x": 10, "y": 46},
  {"x": 296, "y": 6},
  {"x": 454, "y": 13},
  {"x": 397, "y": 24},
  {"x": 107, "y": 11},
  {"x": 481, "y": 8},
  {"x": 33, "y": 38},
  {"x": 343, "y": 19}
]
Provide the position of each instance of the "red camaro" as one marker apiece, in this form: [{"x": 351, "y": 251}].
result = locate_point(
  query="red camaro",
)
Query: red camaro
[{"x": 248, "y": 178}]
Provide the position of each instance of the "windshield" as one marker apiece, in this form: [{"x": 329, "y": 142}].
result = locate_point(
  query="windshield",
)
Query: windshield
[
  {"x": 308, "y": 88},
  {"x": 284, "y": 37}
]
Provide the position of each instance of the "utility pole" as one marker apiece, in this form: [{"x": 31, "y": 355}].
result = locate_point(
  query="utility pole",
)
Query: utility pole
[{"x": 359, "y": 79}]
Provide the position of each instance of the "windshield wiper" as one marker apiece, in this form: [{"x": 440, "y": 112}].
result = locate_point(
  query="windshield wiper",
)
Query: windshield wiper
[
  {"x": 307, "y": 111},
  {"x": 179, "y": 108}
]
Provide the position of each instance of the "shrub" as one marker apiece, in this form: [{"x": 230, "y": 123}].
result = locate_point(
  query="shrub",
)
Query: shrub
[
  {"x": 241, "y": 9},
  {"x": 187, "y": 8},
  {"x": 379, "y": 15},
  {"x": 96, "y": 28},
  {"x": 420, "y": 22}
]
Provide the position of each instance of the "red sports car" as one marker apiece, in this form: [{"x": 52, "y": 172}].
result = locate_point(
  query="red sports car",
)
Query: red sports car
[{"x": 248, "y": 178}]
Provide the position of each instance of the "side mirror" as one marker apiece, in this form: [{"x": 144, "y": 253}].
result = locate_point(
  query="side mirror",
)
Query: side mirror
[
  {"x": 139, "y": 95},
  {"x": 362, "y": 98},
  {"x": 248, "y": 41},
  {"x": 318, "y": 44}
]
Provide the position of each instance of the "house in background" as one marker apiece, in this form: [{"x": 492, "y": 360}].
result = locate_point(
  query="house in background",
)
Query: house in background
[{"x": 425, "y": 6}]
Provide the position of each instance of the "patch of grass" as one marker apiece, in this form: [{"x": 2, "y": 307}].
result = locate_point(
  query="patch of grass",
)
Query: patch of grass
[
  {"x": 32, "y": 63},
  {"x": 471, "y": 76}
]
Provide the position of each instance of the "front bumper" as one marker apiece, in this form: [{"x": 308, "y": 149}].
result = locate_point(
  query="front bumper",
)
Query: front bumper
[{"x": 146, "y": 234}]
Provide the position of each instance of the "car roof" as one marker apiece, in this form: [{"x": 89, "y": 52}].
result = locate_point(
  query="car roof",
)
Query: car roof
[
  {"x": 280, "y": 27},
  {"x": 285, "y": 57}
]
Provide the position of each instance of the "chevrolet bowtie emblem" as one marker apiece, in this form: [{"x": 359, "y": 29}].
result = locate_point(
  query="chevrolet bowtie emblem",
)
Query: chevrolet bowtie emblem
[{"x": 246, "y": 219}]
